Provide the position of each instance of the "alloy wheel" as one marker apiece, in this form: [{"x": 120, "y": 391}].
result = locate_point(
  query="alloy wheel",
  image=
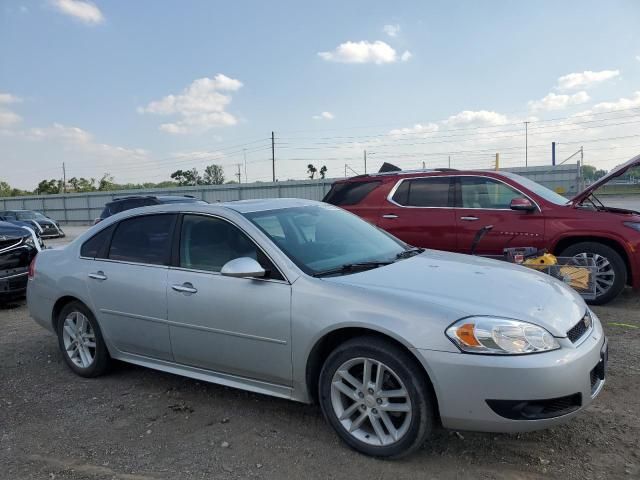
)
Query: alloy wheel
[
  {"x": 79, "y": 339},
  {"x": 371, "y": 402},
  {"x": 605, "y": 275}
]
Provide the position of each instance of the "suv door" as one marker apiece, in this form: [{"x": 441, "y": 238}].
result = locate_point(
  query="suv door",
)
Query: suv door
[
  {"x": 482, "y": 201},
  {"x": 127, "y": 278},
  {"x": 238, "y": 326},
  {"x": 420, "y": 212}
]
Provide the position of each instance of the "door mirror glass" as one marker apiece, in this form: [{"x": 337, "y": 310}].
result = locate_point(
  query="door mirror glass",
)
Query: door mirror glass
[
  {"x": 522, "y": 204},
  {"x": 243, "y": 267}
]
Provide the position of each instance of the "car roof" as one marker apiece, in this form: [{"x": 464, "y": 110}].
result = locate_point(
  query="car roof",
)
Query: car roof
[
  {"x": 438, "y": 172},
  {"x": 157, "y": 197}
]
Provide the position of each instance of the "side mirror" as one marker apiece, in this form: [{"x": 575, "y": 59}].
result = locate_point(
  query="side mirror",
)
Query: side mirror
[
  {"x": 243, "y": 267},
  {"x": 522, "y": 204}
]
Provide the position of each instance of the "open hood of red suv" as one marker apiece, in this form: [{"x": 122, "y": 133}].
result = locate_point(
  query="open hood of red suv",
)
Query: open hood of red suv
[{"x": 616, "y": 172}]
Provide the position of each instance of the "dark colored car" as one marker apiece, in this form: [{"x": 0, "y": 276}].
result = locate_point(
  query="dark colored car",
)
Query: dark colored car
[
  {"x": 118, "y": 205},
  {"x": 49, "y": 228},
  {"x": 444, "y": 210},
  {"x": 18, "y": 246}
]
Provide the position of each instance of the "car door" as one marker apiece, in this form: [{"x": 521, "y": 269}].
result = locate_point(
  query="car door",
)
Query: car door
[
  {"x": 485, "y": 201},
  {"x": 237, "y": 326},
  {"x": 419, "y": 211},
  {"x": 126, "y": 278}
]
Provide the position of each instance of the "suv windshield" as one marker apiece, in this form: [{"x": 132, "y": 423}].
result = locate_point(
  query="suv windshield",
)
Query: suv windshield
[
  {"x": 28, "y": 215},
  {"x": 540, "y": 190},
  {"x": 322, "y": 238}
]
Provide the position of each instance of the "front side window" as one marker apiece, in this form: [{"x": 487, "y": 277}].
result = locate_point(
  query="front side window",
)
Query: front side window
[
  {"x": 484, "y": 192},
  {"x": 321, "y": 238},
  {"x": 207, "y": 243},
  {"x": 424, "y": 192},
  {"x": 145, "y": 239}
]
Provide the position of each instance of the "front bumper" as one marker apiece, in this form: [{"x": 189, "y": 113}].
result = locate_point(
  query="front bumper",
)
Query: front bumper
[
  {"x": 466, "y": 385},
  {"x": 13, "y": 283}
]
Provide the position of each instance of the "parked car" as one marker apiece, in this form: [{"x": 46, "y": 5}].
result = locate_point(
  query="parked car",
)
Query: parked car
[
  {"x": 48, "y": 227},
  {"x": 118, "y": 205},
  {"x": 18, "y": 246},
  {"x": 444, "y": 209},
  {"x": 37, "y": 230},
  {"x": 302, "y": 300}
]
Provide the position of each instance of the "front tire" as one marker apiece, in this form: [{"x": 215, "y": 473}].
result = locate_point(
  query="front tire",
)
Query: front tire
[
  {"x": 376, "y": 397},
  {"x": 80, "y": 341},
  {"x": 611, "y": 274}
]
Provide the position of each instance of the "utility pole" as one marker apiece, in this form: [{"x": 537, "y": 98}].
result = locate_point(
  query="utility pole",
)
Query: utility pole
[
  {"x": 244, "y": 153},
  {"x": 273, "y": 155},
  {"x": 239, "y": 175},
  {"x": 553, "y": 153},
  {"x": 526, "y": 144},
  {"x": 497, "y": 162},
  {"x": 449, "y": 161},
  {"x": 424, "y": 165},
  {"x": 365, "y": 162},
  {"x": 64, "y": 178}
]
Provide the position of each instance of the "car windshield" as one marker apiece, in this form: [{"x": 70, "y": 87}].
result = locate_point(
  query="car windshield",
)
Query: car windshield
[
  {"x": 323, "y": 238},
  {"x": 29, "y": 215},
  {"x": 540, "y": 190}
]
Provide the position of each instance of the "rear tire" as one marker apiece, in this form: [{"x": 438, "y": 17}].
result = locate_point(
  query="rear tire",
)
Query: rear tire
[
  {"x": 80, "y": 341},
  {"x": 611, "y": 277},
  {"x": 389, "y": 415}
]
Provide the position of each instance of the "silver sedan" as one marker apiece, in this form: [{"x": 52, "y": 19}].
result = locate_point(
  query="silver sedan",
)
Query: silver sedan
[{"x": 302, "y": 300}]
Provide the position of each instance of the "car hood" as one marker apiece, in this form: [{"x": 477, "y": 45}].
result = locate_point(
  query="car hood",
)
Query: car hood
[
  {"x": 616, "y": 172},
  {"x": 477, "y": 286},
  {"x": 12, "y": 231}
]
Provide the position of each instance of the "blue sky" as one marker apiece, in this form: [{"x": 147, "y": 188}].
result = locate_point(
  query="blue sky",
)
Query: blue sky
[{"x": 89, "y": 84}]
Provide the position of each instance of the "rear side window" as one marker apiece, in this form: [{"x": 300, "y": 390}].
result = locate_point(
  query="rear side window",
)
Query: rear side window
[
  {"x": 95, "y": 247},
  {"x": 424, "y": 192},
  {"x": 350, "y": 193},
  {"x": 145, "y": 239}
]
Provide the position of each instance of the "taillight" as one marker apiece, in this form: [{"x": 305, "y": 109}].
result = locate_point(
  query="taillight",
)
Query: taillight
[{"x": 32, "y": 268}]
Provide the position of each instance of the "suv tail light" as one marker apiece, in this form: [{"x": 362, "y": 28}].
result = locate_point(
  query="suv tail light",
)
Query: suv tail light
[{"x": 32, "y": 268}]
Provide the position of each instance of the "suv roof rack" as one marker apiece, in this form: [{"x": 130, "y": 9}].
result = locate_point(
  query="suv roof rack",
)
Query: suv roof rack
[
  {"x": 446, "y": 169},
  {"x": 130, "y": 197}
]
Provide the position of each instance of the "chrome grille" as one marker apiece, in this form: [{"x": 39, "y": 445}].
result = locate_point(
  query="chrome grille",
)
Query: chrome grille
[{"x": 580, "y": 328}]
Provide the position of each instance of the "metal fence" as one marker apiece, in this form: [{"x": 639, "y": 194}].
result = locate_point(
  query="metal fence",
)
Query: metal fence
[{"x": 83, "y": 208}]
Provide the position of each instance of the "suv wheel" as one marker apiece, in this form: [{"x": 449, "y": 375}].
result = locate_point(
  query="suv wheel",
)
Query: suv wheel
[
  {"x": 80, "y": 341},
  {"x": 611, "y": 273},
  {"x": 376, "y": 398}
]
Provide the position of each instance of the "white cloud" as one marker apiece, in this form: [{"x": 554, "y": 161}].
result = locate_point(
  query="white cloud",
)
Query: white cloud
[
  {"x": 84, "y": 11},
  {"x": 585, "y": 79},
  {"x": 391, "y": 30},
  {"x": 200, "y": 106},
  {"x": 638, "y": 57},
  {"x": 476, "y": 118},
  {"x": 558, "y": 102},
  {"x": 417, "y": 129},
  {"x": 324, "y": 116},
  {"x": 620, "y": 104},
  {"x": 377, "y": 52},
  {"x": 406, "y": 56},
  {"x": 6, "y": 98}
]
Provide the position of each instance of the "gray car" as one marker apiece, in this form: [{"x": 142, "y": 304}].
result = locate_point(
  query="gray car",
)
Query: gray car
[{"x": 305, "y": 301}]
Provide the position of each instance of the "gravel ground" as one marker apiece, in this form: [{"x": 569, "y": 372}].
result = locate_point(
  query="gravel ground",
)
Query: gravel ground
[{"x": 141, "y": 424}]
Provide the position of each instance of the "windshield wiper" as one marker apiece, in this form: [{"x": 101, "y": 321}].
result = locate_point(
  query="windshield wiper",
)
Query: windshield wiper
[
  {"x": 410, "y": 252},
  {"x": 352, "y": 267}
]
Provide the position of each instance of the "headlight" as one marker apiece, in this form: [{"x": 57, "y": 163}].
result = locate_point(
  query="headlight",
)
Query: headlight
[
  {"x": 500, "y": 336},
  {"x": 29, "y": 241},
  {"x": 634, "y": 225}
]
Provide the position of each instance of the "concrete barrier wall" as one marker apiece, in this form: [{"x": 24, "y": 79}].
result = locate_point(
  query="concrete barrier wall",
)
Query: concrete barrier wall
[{"x": 83, "y": 208}]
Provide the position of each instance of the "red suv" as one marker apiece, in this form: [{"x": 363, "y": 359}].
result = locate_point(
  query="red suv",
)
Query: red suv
[{"x": 444, "y": 209}]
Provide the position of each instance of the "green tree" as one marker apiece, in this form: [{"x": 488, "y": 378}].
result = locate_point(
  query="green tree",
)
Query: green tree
[
  {"x": 213, "y": 175},
  {"x": 46, "y": 187},
  {"x": 5, "y": 189},
  {"x": 187, "y": 177},
  {"x": 311, "y": 170},
  {"x": 591, "y": 174},
  {"x": 323, "y": 171},
  {"x": 106, "y": 182}
]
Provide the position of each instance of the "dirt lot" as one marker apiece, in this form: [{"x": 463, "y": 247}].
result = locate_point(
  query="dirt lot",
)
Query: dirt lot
[{"x": 142, "y": 424}]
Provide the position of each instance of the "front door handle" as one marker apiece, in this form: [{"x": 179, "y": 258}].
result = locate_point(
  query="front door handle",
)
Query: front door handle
[
  {"x": 99, "y": 275},
  {"x": 185, "y": 288},
  {"x": 469, "y": 219},
  {"x": 390, "y": 215}
]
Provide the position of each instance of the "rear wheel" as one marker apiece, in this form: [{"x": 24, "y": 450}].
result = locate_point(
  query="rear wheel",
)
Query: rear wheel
[
  {"x": 80, "y": 341},
  {"x": 376, "y": 398},
  {"x": 611, "y": 270}
]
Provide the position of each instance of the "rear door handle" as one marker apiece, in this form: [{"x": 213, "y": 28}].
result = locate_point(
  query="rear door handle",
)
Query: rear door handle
[
  {"x": 99, "y": 275},
  {"x": 469, "y": 219},
  {"x": 185, "y": 288},
  {"x": 390, "y": 215}
]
